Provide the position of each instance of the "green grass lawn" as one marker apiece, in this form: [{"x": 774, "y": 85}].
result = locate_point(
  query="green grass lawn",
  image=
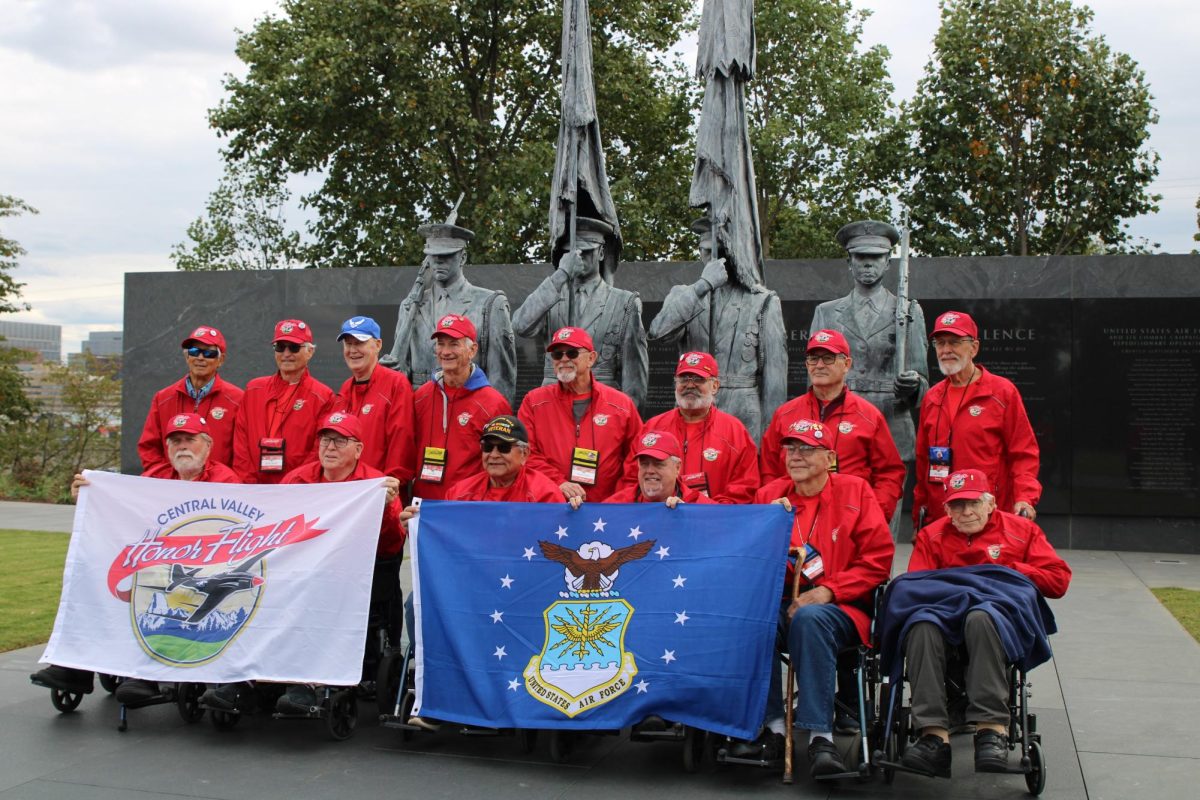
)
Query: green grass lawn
[
  {"x": 1185, "y": 605},
  {"x": 30, "y": 584}
]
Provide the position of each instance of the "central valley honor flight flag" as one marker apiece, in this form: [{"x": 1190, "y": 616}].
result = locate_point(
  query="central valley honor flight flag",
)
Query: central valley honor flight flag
[
  {"x": 537, "y": 616},
  {"x": 215, "y": 582}
]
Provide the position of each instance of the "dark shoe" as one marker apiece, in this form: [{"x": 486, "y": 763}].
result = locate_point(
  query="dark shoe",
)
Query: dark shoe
[
  {"x": 845, "y": 723},
  {"x": 929, "y": 756},
  {"x": 65, "y": 679},
  {"x": 991, "y": 751},
  {"x": 767, "y": 747},
  {"x": 135, "y": 692},
  {"x": 228, "y": 696},
  {"x": 651, "y": 724},
  {"x": 824, "y": 758},
  {"x": 298, "y": 699}
]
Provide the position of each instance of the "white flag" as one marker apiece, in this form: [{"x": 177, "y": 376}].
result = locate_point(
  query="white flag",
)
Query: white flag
[{"x": 214, "y": 582}]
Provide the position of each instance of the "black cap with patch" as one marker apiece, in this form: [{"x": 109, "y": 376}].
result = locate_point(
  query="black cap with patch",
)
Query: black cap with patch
[{"x": 505, "y": 428}]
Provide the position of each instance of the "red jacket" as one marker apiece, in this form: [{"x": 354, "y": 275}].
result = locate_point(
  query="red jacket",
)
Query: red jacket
[
  {"x": 1007, "y": 539},
  {"x": 530, "y": 486},
  {"x": 391, "y": 533},
  {"x": 453, "y": 421},
  {"x": 384, "y": 405},
  {"x": 990, "y": 432},
  {"x": 719, "y": 447},
  {"x": 610, "y": 426},
  {"x": 861, "y": 439},
  {"x": 853, "y": 538},
  {"x": 303, "y": 407},
  {"x": 219, "y": 408},
  {"x": 213, "y": 472},
  {"x": 633, "y": 494}
]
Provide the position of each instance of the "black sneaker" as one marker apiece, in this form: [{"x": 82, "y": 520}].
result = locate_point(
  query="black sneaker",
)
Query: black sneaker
[
  {"x": 844, "y": 722},
  {"x": 929, "y": 756},
  {"x": 767, "y": 747},
  {"x": 651, "y": 724},
  {"x": 228, "y": 696},
  {"x": 65, "y": 679},
  {"x": 298, "y": 699},
  {"x": 136, "y": 692},
  {"x": 824, "y": 758},
  {"x": 991, "y": 751}
]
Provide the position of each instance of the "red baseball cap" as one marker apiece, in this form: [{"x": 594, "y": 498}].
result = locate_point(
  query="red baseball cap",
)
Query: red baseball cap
[
  {"x": 955, "y": 322},
  {"x": 806, "y": 431},
  {"x": 571, "y": 337},
  {"x": 341, "y": 422},
  {"x": 659, "y": 445},
  {"x": 702, "y": 364},
  {"x": 292, "y": 330},
  {"x": 206, "y": 334},
  {"x": 967, "y": 484},
  {"x": 456, "y": 326},
  {"x": 830, "y": 340},
  {"x": 186, "y": 423}
]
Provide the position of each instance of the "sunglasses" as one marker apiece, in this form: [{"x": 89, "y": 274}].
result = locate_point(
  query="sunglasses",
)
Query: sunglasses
[
  {"x": 503, "y": 447},
  {"x": 567, "y": 352},
  {"x": 291, "y": 347},
  {"x": 197, "y": 352}
]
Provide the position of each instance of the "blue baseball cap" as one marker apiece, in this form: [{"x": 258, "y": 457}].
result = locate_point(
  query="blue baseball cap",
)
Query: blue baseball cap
[{"x": 361, "y": 328}]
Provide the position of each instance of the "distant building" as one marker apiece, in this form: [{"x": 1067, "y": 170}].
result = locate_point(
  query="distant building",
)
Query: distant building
[
  {"x": 104, "y": 345},
  {"x": 45, "y": 340}
]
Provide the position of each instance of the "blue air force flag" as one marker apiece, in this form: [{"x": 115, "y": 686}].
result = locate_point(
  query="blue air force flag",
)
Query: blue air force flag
[{"x": 537, "y": 616}]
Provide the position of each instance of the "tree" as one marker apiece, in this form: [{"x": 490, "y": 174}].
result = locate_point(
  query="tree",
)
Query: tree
[
  {"x": 401, "y": 105},
  {"x": 10, "y": 290},
  {"x": 818, "y": 108},
  {"x": 15, "y": 406},
  {"x": 244, "y": 226},
  {"x": 1029, "y": 133}
]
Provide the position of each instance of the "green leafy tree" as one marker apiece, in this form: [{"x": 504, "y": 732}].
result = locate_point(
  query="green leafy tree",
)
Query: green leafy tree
[
  {"x": 400, "y": 105},
  {"x": 819, "y": 109},
  {"x": 1029, "y": 134},
  {"x": 15, "y": 406},
  {"x": 10, "y": 250},
  {"x": 244, "y": 226}
]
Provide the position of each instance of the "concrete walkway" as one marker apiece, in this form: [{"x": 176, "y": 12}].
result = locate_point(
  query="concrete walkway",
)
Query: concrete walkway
[
  {"x": 1117, "y": 708},
  {"x": 36, "y": 516}
]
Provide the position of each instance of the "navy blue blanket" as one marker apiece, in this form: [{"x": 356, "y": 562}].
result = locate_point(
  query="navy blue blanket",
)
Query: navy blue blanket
[{"x": 944, "y": 596}]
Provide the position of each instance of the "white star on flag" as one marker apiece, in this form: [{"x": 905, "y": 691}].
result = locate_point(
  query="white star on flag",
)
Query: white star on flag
[
  {"x": 598, "y": 525},
  {"x": 497, "y": 616},
  {"x": 561, "y": 532},
  {"x": 528, "y": 556},
  {"x": 681, "y": 617},
  {"x": 499, "y": 654},
  {"x": 634, "y": 533},
  {"x": 506, "y": 582},
  {"x": 642, "y": 686},
  {"x": 514, "y": 684},
  {"x": 668, "y": 656},
  {"x": 662, "y": 552},
  {"x": 679, "y": 581}
]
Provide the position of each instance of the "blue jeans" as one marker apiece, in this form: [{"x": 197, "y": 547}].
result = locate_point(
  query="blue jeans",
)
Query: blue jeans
[{"x": 814, "y": 636}]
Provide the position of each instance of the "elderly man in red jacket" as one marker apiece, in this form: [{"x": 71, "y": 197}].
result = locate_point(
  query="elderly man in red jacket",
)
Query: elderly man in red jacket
[
  {"x": 202, "y": 391},
  {"x": 847, "y": 552},
  {"x": 659, "y": 459},
  {"x": 973, "y": 531},
  {"x": 505, "y": 477}
]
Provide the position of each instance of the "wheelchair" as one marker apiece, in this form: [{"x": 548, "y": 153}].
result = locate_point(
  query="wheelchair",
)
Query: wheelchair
[
  {"x": 698, "y": 746},
  {"x": 898, "y": 732},
  {"x": 184, "y": 695},
  {"x": 65, "y": 701}
]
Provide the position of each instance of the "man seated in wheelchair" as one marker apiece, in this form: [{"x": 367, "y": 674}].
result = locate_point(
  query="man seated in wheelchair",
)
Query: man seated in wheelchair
[
  {"x": 339, "y": 447},
  {"x": 977, "y": 579},
  {"x": 847, "y": 552}
]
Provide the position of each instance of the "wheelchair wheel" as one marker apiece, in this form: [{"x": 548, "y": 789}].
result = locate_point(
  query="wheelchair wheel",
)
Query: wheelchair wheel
[
  {"x": 108, "y": 682},
  {"x": 562, "y": 743},
  {"x": 387, "y": 682},
  {"x": 65, "y": 702},
  {"x": 224, "y": 720},
  {"x": 187, "y": 700},
  {"x": 342, "y": 716},
  {"x": 528, "y": 739},
  {"x": 697, "y": 745},
  {"x": 1035, "y": 779}
]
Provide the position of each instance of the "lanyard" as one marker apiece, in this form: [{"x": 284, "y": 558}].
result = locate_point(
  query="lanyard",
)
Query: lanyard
[
  {"x": 705, "y": 427},
  {"x": 284, "y": 405}
]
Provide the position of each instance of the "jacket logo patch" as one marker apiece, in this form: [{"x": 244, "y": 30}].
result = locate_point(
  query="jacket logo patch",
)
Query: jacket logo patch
[
  {"x": 367, "y": 408},
  {"x": 845, "y": 427},
  {"x": 217, "y": 412},
  {"x": 299, "y": 404},
  {"x": 464, "y": 418},
  {"x": 975, "y": 411},
  {"x": 993, "y": 551},
  {"x": 600, "y": 419},
  {"x": 712, "y": 454}
]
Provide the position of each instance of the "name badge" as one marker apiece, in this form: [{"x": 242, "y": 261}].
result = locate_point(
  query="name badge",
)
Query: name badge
[
  {"x": 584, "y": 464},
  {"x": 697, "y": 481},
  {"x": 270, "y": 455},
  {"x": 813, "y": 566},
  {"x": 433, "y": 464},
  {"x": 833, "y": 461},
  {"x": 939, "y": 463}
]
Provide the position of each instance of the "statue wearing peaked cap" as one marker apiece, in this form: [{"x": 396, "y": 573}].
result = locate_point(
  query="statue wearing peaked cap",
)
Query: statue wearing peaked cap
[{"x": 441, "y": 288}]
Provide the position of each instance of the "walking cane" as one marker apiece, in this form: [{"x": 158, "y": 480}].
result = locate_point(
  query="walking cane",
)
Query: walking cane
[{"x": 789, "y": 713}]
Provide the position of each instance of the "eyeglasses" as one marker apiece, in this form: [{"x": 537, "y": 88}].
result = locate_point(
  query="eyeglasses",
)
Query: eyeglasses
[
  {"x": 291, "y": 347},
  {"x": 503, "y": 447},
  {"x": 197, "y": 352},
  {"x": 824, "y": 358},
  {"x": 948, "y": 342},
  {"x": 800, "y": 449},
  {"x": 689, "y": 379},
  {"x": 336, "y": 442},
  {"x": 567, "y": 352}
]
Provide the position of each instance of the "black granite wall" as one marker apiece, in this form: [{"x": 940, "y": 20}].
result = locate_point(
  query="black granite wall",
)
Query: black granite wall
[{"x": 1105, "y": 349}]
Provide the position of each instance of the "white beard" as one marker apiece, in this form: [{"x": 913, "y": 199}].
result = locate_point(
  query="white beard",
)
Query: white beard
[
  {"x": 693, "y": 402},
  {"x": 949, "y": 369}
]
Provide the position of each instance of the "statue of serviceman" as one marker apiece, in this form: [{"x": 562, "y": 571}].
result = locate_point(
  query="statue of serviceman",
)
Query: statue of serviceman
[
  {"x": 579, "y": 293},
  {"x": 867, "y": 318},
  {"x": 729, "y": 313},
  {"x": 441, "y": 289}
]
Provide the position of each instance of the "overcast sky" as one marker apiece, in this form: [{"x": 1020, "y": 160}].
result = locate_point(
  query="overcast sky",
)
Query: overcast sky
[{"x": 104, "y": 128}]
